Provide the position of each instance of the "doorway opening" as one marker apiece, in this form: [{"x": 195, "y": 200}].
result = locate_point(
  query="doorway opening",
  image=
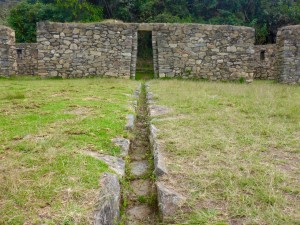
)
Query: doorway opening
[{"x": 144, "y": 65}]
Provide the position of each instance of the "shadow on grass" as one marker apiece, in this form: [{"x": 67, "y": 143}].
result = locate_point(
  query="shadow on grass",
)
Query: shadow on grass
[{"x": 148, "y": 75}]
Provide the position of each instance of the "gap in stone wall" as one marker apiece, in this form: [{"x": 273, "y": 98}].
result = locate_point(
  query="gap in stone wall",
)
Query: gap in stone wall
[{"x": 145, "y": 67}]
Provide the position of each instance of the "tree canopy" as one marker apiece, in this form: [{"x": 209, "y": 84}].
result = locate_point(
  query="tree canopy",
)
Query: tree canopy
[
  {"x": 24, "y": 16},
  {"x": 264, "y": 15}
]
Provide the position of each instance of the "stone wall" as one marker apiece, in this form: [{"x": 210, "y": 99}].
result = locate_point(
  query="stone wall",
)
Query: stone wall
[
  {"x": 80, "y": 50},
  {"x": 288, "y": 41},
  {"x": 214, "y": 52},
  {"x": 204, "y": 51},
  {"x": 180, "y": 50},
  {"x": 8, "y": 65},
  {"x": 27, "y": 58},
  {"x": 265, "y": 62}
]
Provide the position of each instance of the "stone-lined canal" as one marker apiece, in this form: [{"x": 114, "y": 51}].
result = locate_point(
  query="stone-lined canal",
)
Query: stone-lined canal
[{"x": 139, "y": 190}]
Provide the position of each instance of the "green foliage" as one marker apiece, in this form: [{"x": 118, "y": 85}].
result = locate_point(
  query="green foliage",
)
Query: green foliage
[
  {"x": 24, "y": 16},
  {"x": 82, "y": 11},
  {"x": 264, "y": 15}
]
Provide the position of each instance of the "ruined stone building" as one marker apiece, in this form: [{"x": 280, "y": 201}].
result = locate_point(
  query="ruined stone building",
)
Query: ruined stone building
[{"x": 213, "y": 52}]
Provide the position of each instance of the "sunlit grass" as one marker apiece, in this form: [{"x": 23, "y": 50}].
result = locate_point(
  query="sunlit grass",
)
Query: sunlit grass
[
  {"x": 44, "y": 127},
  {"x": 233, "y": 150}
]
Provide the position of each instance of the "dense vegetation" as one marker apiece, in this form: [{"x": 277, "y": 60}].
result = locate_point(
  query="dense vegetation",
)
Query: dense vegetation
[{"x": 265, "y": 15}]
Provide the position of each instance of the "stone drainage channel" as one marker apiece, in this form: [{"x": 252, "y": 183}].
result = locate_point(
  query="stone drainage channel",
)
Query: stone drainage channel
[{"x": 139, "y": 200}]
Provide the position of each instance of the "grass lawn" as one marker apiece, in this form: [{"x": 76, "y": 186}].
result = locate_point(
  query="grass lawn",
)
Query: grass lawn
[
  {"x": 45, "y": 125},
  {"x": 233, "y": 150}
]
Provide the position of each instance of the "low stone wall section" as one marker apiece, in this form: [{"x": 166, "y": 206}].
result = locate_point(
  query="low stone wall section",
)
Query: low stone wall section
[
  {"x": 265, "y": 62},
  {"x": 27, "y": 58},
  {"x": 80, "y": 50},
  {"x": 8, "y": 65},
  {"x": 288, "y": 43},
  {"x": 213, "y": 52}
]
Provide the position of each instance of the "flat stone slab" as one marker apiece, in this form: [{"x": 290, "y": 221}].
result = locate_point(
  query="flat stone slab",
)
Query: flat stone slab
[
  {"x": 108, "y": 209},
  {"x": 169, "y": 201},
  {"x": 114, "y": 163},
  {"x": 136, "y": 93},
  {"x": 150, "y": 96},
  {"x": 138, "y": 214},
  {"x": 140, "y": 187},
  {"x": 159, "y": 161},
  {"x": 124, "y": 144},
  {"x": 139, "y": 168},
  {"x": 138, "y": 156},
  {"x": 130, "y": 122}
]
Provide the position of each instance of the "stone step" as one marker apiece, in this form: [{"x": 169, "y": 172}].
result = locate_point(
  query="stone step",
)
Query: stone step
[
  {"x": 140, "y": 187},
  {"x": 139, "y": 168},
  {"x": 139, "y": 215}
]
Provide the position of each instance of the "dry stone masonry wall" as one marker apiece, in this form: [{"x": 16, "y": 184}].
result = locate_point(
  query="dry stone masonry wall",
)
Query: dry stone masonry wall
[
  {"x": 27, "y": 58},
  {"x": 80, "y": 50},
  {"x": 288, "y": 41},
  {"x": 8, "y": 65},
  {"x": 204, "y": 51},
  {"x": 214, "y": 52},
  {"x": 265, "y": 62}
]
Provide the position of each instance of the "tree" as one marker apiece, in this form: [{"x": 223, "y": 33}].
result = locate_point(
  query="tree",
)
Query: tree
[
  {"x": 264, "y": 15},
  {"x": 24, "y": 16}
]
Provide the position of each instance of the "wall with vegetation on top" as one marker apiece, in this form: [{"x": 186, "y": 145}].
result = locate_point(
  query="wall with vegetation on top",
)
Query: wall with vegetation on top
[
  {"x": 80, "y": 50},
  {"x": 213, "y": 52}
]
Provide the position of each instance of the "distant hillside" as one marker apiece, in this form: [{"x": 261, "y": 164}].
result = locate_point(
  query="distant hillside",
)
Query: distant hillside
[{"x": 5, "y": 5}]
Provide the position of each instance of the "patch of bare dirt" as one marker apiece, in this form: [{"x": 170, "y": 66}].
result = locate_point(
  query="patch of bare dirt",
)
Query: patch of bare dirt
[
  {"x": 92, "y": 98},
  {"x": 79, "y": 110}
]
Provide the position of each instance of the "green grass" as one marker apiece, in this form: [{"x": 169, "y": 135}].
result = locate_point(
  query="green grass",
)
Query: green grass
[
  {"x": 44, "y": 128},
  {"x": 144, "y": 75},
  {"x": 233, "y": 150}
]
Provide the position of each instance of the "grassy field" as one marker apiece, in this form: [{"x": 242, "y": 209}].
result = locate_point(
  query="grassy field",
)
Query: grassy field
[
  {"x": 233, "y": 150},
  {"x": 45, "y": 126}
]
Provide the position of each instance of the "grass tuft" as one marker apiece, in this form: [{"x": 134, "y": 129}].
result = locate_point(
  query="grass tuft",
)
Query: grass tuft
[{"x": 12, "y": 96}]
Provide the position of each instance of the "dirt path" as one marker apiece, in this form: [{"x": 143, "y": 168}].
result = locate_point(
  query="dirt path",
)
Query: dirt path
[{"x": 140, "y": 193}]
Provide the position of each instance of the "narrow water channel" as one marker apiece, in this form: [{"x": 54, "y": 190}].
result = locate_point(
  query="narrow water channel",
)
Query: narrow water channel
[{"x": 139, "y": 192}]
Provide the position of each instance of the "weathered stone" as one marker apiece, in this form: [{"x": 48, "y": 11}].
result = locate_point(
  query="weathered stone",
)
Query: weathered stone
[
  {"x": 139, "y": 168},
  {"x": 140, "y": 187},
  {"x": 288, "y": 62},
  {"x": 130, "y": 122},
  {"x": 8, "y": 54},
  {"x": 108, "y": 209},
  {"x": 139, "y": 214},
  {"x": 231, "y": 49},
  {"x": 265, "y": 62},
  {"x": 160, "y": 168},
  {"x": 179, "y": 50},
  {"x": 73, "y": 47},
  {"x": 116, "y": 164},
  {"x": 27, "y": 58},
  {"x": 169, "y": 201},
  {"x": 124, "y": 144}
]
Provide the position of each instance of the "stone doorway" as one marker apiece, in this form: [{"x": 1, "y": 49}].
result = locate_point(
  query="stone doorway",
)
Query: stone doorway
[{"x": 144, "y": 65}]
